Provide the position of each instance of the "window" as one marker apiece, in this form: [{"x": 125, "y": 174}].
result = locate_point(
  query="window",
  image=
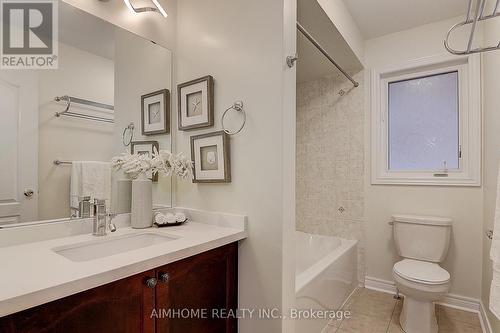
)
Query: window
[
  {"x": 423, "y": 123},
  {"x": 426, "y": 123}
]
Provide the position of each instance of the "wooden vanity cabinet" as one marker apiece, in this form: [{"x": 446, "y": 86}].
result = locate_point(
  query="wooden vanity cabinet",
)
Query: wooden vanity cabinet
[
  {"x": 121, "y": 306},
  {"x": 203, "y": 286},
  {"x": 204, "y": 281}
]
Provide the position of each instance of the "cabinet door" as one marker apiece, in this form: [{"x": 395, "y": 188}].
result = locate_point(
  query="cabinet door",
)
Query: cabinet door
[
  {"x": 206, "y": 281},
  {"x": 123, "y": 306}
]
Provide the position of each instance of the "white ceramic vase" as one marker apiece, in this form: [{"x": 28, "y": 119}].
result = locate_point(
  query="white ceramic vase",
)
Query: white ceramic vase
[{"x": 142, "y": 203}]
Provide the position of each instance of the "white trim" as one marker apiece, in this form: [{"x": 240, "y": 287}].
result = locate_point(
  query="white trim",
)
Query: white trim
[
  {"x": 483, "y": 317},
  {"x": 288, "y": 137},
  {"x": 380, "y": 285},
  {"x": 461, "y": 303},
  {"x": 451, "y": 300},
  {"x": 471, "y": 126}
]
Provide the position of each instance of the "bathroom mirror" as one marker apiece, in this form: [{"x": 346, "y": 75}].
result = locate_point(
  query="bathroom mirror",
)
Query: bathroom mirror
[{"x": 106, "y": 71}]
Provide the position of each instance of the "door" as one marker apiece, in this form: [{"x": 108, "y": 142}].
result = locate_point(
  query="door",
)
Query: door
[
  {"x": 205, "y": 282},
  {"x": 124, "y": 306},
  {"x": 18, "y": 146}
]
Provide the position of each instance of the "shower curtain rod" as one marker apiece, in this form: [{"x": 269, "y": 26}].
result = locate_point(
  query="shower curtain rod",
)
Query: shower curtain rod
[{"x": 323, "y": 51}]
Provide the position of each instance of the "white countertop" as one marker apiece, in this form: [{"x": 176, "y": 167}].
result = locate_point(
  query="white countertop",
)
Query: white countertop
[{"x": 32, "y": 274}]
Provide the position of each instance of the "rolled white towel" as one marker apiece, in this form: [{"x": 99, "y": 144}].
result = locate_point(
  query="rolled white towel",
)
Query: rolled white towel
[
  {"x": 160, "y": 218},
  {"x": 180, "y": 217},
  {"x": 170, "y": 218}
]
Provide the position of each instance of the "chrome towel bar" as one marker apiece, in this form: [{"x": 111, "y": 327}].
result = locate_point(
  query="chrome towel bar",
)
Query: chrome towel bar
[
  {"x": 69, "y": 100},
  {"x": 472, "y": 18},
  {"x": 59, "y": 162}
]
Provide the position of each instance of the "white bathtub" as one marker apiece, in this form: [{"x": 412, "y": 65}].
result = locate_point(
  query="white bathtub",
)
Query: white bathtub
[{"x": 325, "y": 275}]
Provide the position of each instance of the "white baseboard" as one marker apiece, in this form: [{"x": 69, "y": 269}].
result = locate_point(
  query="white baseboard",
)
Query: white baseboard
[
  {"x": 451, "y": 300},
  {"x": 380, "y": 285},
  {"x": 485, "y": 322}
]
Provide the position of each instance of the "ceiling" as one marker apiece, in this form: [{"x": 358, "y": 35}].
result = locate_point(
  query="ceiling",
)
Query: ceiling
[{"x": 382, "y": 17}]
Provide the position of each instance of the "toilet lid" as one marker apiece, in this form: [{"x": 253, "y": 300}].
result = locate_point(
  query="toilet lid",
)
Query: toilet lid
[{"x": 421, "y": 271}]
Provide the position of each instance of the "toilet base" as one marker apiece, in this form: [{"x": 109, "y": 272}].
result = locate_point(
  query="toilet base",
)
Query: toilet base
[{"x": 418, "y": 316}]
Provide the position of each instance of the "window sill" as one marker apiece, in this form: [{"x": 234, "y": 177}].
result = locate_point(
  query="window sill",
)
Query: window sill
[{"x": 427, "y": 181}]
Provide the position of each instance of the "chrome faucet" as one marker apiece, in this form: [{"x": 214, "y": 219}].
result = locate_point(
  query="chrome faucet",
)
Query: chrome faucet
[
  {"x": 101, "y": 219},
  {"x": 111, "y": 225}
]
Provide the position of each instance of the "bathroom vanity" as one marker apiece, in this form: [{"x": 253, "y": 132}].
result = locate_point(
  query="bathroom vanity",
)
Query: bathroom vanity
[
  {"x": 185, "y": 283},
  {"x": 140, "y": 303}
]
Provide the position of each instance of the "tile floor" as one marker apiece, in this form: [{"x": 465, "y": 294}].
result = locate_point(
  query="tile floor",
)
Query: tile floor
[{"x": 377, "y": 312}]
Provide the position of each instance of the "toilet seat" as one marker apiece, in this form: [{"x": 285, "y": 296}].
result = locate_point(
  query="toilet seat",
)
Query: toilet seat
[{"x": 422, "y": 272}]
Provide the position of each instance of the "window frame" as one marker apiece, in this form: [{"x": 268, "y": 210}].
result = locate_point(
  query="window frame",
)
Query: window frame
[{"x": 469, "y": 172}]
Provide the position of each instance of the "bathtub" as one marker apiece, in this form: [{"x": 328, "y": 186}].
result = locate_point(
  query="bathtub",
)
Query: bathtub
[{"x": 325, "y": 275}]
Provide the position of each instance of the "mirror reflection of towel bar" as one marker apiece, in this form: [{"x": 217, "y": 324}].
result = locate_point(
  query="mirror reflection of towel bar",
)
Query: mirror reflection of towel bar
[
  {"x": 69, "y": 100},
  {"x": 59, "y": 162}
]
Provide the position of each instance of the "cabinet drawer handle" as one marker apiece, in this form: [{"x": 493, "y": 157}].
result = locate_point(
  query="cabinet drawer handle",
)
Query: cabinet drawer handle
[
  {"x": 164, "y": 277},
  {"x": 151, "y": 282}
]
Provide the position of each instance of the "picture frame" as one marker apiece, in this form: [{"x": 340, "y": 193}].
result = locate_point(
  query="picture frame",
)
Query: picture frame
[
  {"x": 145, "y": 147},
  {"x": 155, "y": 112},
  {"x": 195, "y": 101},
  {"x": 211, "y": 156}
]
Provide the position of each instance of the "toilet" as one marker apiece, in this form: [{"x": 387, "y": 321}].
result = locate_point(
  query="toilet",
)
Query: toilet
[{"x": 423, "y": 243}]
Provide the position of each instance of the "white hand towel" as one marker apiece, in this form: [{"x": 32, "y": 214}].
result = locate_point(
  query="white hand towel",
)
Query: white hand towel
[
  {"x": 495, "y": 257},
  {"x": 75, "y": 191},
  {"x": 91, "y": 179}
]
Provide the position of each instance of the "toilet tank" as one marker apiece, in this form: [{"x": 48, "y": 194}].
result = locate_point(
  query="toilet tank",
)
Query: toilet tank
[{"x": 422, "y": 237}]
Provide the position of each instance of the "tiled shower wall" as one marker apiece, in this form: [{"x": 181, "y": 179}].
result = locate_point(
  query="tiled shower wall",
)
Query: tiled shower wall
[{"x": 330, "y": 160}]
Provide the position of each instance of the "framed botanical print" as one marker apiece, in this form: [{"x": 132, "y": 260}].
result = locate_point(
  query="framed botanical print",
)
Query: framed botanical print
[
  {"x": 196, "y": 103},
  {"x": 145, "y": 148},
  {"x": 211, "y": 156},
  {"x": 156, "y": 112}
]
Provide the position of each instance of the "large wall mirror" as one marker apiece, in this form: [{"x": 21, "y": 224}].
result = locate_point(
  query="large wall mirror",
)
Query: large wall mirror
[{"x": 106, "y": 71}]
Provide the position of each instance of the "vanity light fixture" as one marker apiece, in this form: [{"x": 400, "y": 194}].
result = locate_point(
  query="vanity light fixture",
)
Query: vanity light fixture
[{"x": 158, "y": 8}]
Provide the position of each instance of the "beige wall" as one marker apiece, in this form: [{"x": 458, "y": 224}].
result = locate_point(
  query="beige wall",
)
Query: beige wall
[
  {"x": 240, "y": 44},
  {"x": 462, "y": 204},
  {"x": 141, "y": 67},
  {"x": 330, "y": 160},
  {"x": 155, "y": 28},
  {"x": 80, "y": 74},
  {"x": 491, "y": 86}
]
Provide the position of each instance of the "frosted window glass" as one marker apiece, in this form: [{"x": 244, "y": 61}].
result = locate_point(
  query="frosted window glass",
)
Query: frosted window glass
[{"x": 423, "y": 123}]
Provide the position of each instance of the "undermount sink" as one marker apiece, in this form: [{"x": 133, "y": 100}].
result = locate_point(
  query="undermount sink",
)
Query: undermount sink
[{"x": 105, "y": 247}]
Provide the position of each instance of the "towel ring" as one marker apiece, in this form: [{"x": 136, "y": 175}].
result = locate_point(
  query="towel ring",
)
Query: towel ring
[
  {"x": 238, "y": 107},
  {"x": 129, "y": 128}
]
